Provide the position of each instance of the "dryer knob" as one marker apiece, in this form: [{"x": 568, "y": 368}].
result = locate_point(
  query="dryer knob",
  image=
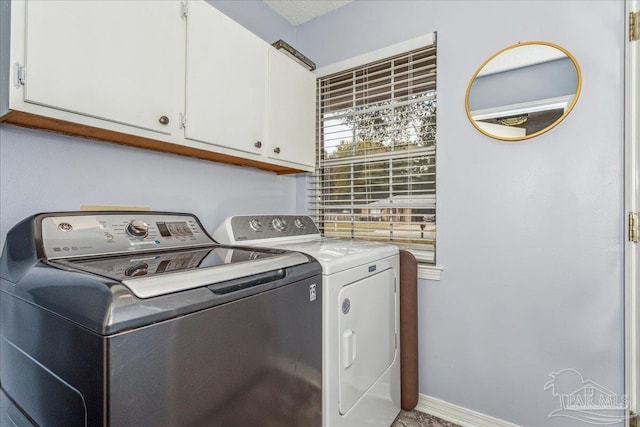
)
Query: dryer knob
[
  {"x": 298, "y": 223},
  {"x": 255, "y": 224},
  {"x": 278, "y": 224}
]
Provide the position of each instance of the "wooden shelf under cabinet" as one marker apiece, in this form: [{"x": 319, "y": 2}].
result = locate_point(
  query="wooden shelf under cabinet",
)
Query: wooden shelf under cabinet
[{"x": 35, "y": 121}]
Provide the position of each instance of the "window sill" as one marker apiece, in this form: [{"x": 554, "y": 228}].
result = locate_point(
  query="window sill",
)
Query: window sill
[{"x": 429, "y": 272}]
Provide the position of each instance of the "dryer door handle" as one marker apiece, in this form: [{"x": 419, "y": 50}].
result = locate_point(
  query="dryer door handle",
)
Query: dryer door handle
[{"x": 348, "y": 348}]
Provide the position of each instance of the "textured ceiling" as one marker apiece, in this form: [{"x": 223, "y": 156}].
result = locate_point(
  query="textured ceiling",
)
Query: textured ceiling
[{"x": 300, "y": 11}]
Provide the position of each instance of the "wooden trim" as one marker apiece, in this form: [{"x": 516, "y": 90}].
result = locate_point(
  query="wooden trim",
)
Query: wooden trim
[{"x": 35, "y": 121}]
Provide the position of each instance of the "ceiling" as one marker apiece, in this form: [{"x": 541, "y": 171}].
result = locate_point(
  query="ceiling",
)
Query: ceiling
[{"x": 300, "y": 11}]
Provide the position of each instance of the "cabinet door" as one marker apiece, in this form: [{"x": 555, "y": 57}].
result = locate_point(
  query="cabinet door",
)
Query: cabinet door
[
  {"x": 226, "y": 81},
  {"x": 291, "y": 110},
  {"x": 117, "y": 61}
]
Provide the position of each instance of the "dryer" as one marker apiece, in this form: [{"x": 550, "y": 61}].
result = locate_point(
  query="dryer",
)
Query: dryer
[{"x": 361, "y": 362}]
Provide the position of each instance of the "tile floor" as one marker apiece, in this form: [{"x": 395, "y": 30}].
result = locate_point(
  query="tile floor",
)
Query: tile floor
[{"x": 419, "y": 419}]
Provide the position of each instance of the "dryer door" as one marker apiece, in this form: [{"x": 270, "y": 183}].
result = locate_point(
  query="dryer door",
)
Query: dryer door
[{"x": 367, "y": 327}]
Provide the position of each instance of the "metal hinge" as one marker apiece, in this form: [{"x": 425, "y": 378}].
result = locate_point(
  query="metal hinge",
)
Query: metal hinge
[
  {"x": 634, "y": 26},
  {"x": 185, "y": 10},
  {"x": 19, "y": 75},
  {"x": 633, "y": 419},
  {"x": 183, "y": 121},
  {"x": 634, "y": 227}
]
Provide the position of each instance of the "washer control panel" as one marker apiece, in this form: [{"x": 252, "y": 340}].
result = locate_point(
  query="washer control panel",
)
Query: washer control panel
[
  {"x": 260, "y": 227},
  {"x": 94, "y": 234}
]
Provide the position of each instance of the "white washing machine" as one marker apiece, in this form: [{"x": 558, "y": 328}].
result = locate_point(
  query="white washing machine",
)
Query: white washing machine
[{"x": 361, "y": 358}]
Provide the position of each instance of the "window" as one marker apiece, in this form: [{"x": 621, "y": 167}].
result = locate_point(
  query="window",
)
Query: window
[{"x": 376, "y": 141}]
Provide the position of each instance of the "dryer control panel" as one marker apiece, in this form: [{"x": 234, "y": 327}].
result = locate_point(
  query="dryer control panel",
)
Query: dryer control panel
[
  {"x": 93, "y": 234},
  {"x": 249, "y": 228}
]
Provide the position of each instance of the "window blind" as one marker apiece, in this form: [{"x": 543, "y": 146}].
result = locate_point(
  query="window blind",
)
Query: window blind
[{"x": 376, "y": 140}]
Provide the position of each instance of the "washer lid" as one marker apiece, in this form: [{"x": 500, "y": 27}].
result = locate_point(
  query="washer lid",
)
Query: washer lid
[{"x": 154, "y": 274}]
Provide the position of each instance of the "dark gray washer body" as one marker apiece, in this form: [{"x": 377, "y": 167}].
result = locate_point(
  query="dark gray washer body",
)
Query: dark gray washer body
[{"x": 247, "y": 358}]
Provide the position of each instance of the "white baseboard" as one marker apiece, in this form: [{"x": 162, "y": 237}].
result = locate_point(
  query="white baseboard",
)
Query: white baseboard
[{"x": 457, "y": 414}]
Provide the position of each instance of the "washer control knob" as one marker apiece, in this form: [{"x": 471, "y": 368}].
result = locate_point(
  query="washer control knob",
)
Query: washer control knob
[
  {"x": 298, "y": 223},
  {"x": 137, "y": 228},
  {"x": 255, "y": 224},
  {"x": 278, "y": 224},
  {"x": 137, "y": 270}
]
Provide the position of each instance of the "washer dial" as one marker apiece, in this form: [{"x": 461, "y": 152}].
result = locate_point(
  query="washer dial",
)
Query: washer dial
[
  {"x": 137, "y": 270},
  {"x": 137, "y": 228}
]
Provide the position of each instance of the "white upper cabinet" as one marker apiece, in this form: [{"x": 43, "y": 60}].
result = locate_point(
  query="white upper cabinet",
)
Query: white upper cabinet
[
  {"x": 291, "y": 111},
  {"x": 118, "y": 61},
  {"x": 226, "y": 81},
  {"x": 168, "y": 75}
]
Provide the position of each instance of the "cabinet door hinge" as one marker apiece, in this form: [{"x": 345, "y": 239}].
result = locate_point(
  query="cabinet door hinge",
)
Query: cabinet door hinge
[
  {"x": 183, "y": 121},
  {"x": 633, "y": 419},
  {"x": 185, "y": 10},
  {"x": 19, "y": 75},
  {"x": 634, "y": 26},
  {"x": 634, "y": 227}
]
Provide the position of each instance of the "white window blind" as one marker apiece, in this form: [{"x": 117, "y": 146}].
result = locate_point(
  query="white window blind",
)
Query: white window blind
[{"x": 376, "y": 141}]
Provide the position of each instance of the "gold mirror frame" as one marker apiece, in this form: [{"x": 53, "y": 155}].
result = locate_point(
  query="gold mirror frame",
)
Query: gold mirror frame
[{"x": 547, "y": 128}]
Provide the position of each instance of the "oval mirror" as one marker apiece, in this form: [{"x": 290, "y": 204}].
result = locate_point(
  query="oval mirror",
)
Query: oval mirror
[{"x": 523, "y": 91}]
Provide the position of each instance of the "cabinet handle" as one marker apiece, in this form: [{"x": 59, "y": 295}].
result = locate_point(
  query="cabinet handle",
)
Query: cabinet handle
[
  {"x": 164, "y": 120},
  {"x": 258, "y": 144},
  {"x": 276, "y": 150}
]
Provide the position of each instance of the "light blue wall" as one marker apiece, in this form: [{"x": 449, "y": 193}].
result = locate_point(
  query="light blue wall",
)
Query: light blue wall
[
  {"x": 5, "y": 31},
  {"x": 42, "y": 171},
  {"x": 530, "y": 234},
  {"x": 259, "y": 18}
]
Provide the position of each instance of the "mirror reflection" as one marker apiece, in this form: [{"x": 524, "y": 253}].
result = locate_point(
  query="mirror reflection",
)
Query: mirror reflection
[{"x": 523, "y": 91}]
